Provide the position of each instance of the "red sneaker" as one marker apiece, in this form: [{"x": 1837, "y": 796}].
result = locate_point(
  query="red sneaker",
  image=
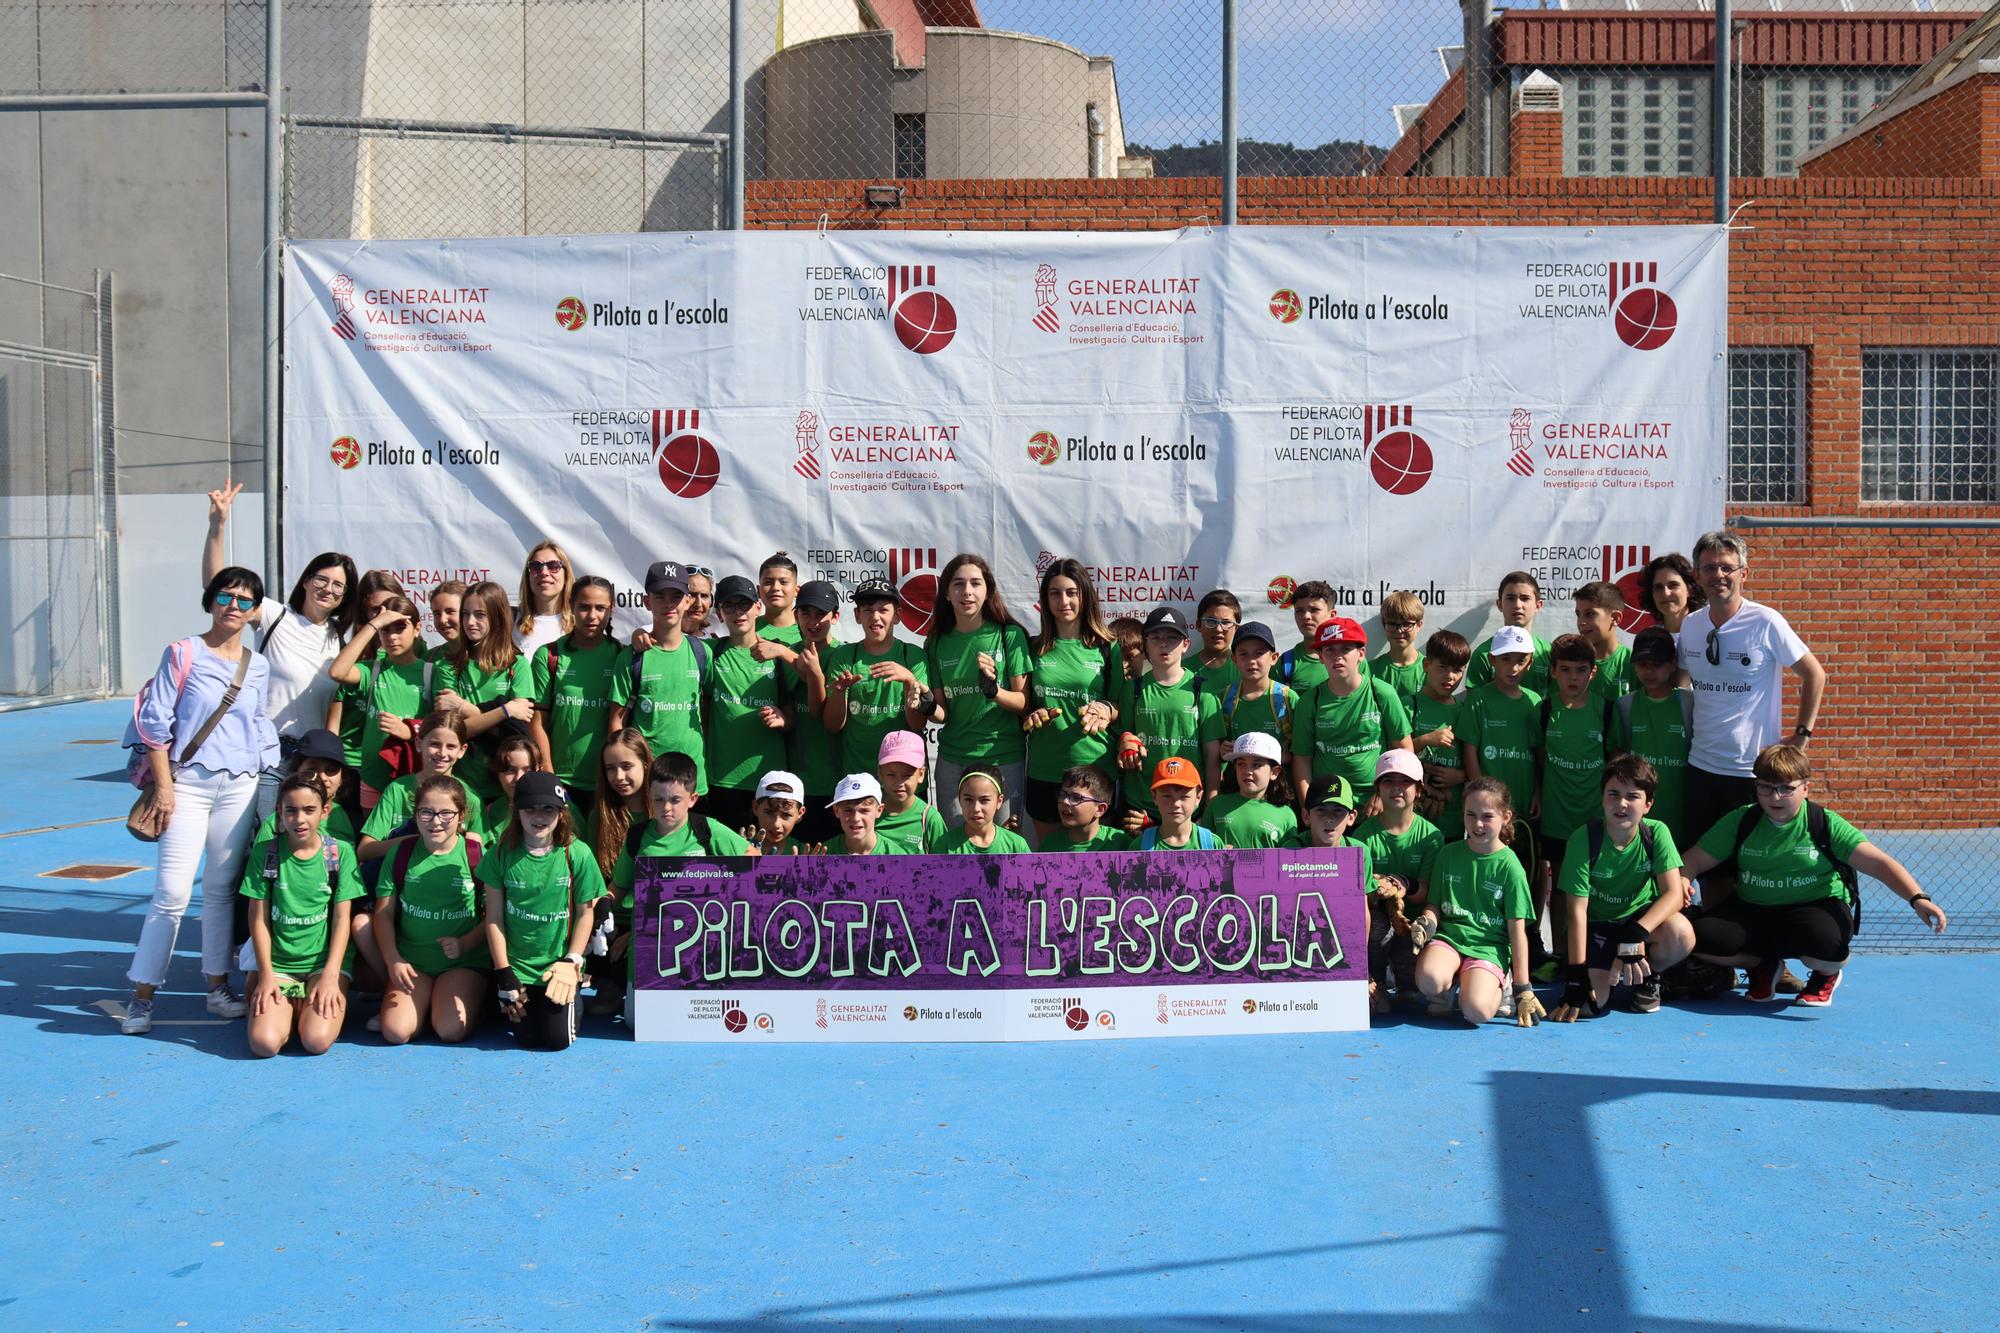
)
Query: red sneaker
[
  {"x": 1764, "y": 981},
  {"x": 1819, "y": 990}
]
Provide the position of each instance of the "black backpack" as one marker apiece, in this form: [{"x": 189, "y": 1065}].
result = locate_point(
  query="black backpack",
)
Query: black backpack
[
  {"x": 700, "y": 647},
  {"x": 1596, "y": 830},
  {"x": 1820, "y": 830}
]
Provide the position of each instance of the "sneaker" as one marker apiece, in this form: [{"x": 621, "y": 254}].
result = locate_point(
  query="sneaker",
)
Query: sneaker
[
  {"x": 1789, "y": 983},
  {"x": 1506, "y": 1009},
  {"x": 138, "y": 1018},
  {"x": 1646, "y": 996},
  {"x": 1763, "y": 986},
  {"x": 226, "y": 1003},
  {"x": 1818, "y": 991},
  {"x": 374, "y": 1023},
  {"x": 1440, "y": 1006}
]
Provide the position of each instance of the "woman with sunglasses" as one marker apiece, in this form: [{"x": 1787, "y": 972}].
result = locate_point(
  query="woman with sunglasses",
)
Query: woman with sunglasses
[
  {"x": 204, "y": 786},
  {"x": 547, "y": 580},
  {"x": 296, "y": 638}
]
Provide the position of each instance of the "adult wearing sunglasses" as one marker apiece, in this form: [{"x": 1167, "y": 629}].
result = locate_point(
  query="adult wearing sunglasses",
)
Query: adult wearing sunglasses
[
  {"x": 1735, "y": 653},
  {"x": 201, "y": 728},
  {"x": 544, "y": 615},
  {"x": 297, "y": 638}
]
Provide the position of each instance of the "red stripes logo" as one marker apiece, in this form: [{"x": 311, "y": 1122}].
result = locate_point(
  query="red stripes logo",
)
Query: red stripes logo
[
  {"x": 907, "y": 278},
  {"x": 1375, "y": 420},
  {"x": 669, "y": 422},
  {"x": 1046, "y": 321},
  {"x": 907, "y": 560},
  {"x": 806, "y": 434},
  {"x": 1521, "y": 465},
  {"x": 344, "y": 327},
  {"x": 1625, "y": 276},
  {"x": 341, "y": 290}
]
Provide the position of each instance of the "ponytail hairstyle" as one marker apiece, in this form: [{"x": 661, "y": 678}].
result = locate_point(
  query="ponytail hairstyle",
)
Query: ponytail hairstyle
[
  {"x": 512, "y": 837},
  {"x": 593, "y": 581},
  {"x": 1494, "y": 787},
  {"x": 563, "y": 613},
  {"x": 610, "y": 821},
  {"x": 1090, "y": 630},
  {"x": 496, "y": 652},
  {"x": 300, "y": 782},
  {"x": 943, "y": 619}
]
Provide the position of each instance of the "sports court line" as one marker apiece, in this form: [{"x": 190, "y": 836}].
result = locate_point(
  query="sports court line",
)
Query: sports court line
[
  {"x": 115, "y": 1010},
  {"x": 58, "y": 828}
]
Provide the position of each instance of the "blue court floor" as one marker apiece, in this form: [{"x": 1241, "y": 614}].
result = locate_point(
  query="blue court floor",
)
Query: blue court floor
[{"x": 1719, "y": 1166}]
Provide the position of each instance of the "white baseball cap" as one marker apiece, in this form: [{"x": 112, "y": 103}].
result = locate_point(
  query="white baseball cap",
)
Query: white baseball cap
[
  {"x": 1401, "y": 763},
  {"x": 785, "y": 786},
  {"x": 855, "y": 786},
  {"x": 1512, "y": 639},
  {"x": 1258, "y": 745}
]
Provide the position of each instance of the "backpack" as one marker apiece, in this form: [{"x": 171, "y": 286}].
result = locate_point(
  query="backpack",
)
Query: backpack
[
  {"x": 399, "y": 868},
  {"x": 1624, "y": 706},
  {"x": 329, "y": 852},
  {"x": 639, "y": 664},
  {"x": 1204, "y": 839},
  {"x": 1287, "y": 662},
  {"x": 696, "y": 821},
  {"x": 138, "y": 769},
  {"x": 1279, "y": 706},
  {"x": 1596, "y": 830},
  {"x": 1821, "y": 833},
  {"x": 1548, "y": 708}
]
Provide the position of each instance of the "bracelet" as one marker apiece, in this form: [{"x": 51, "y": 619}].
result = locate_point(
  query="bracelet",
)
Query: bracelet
[
  {"x": 573, "y": 959},
  {"x": 1920, "y": 898}
]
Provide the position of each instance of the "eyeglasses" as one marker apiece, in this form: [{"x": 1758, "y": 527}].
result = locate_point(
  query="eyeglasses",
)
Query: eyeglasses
[
  {"x": 1780, "y": 790},
  {"x": 1080, "y": 798},
  {"x": 436, "y": 816},
  {"x": 223, "y": 601},
  {"x": 1402, "y": 624},
  {"x": 325, "y": 584},
  {"x": 1722, "y": 571},
  {"x": 545, "y": 566},
  {"x": 1216, "y": 622}
]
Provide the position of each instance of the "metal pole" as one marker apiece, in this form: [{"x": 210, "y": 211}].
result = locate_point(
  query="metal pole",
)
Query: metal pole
[
  {"x": 1478, "y": 75},
  {"x": 736, "y": 117},
  {"x": 1719, "y": 148},
  {"x": 126, "y": 101},
  {"x": 274, "y": 260},
  {"x": 1228, "y": 112}
]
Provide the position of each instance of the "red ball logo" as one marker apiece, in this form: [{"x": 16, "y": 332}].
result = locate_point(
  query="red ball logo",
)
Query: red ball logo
[
  {"x": 346, "y": 453},
  {"x": 917, "y": 602},
  {"x": 1077, "y": 1018},
  {"x": 1285, "y": 307},
  {"x": 734, "y": 1020},
  {"x": 1400, "y": 462},
  {"x": 1249, "y": 1006},
  {"x": 689, "y": 466},
  {"x": 1645, "y": 318},
  {"x": 1044, "y": 447},
  {"x": 572, "y": 313},
  {"x": 925, "y": 322},
  {"x": 1280, "y": 590},
  {"x": 1630, "y": 585}
]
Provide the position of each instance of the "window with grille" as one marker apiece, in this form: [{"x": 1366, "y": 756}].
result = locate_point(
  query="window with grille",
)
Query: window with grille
[
  {"x": 1767, "y": 425},
  {"x": 1628, "y": 124},
  {"x": 910, "y": 146},
  {"x": 1803, "y": 111},
  {"x": 1928, "y": 425}
]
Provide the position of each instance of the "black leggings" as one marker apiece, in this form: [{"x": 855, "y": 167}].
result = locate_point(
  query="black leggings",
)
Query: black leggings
[
  {"x": 1818, "y": 929},
  {"x": 547, "y": 1025}
]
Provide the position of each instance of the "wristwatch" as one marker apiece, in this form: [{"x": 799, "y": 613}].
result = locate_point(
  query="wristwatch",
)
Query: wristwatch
[
  {"x": 575, "y": 960},
  {"x": 1802, "y": 730}
]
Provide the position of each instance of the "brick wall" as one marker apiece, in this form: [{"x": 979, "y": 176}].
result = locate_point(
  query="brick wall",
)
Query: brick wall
[
  {"x": 1535, "y": 143},
  {"x": 1829, "y": 265},
  {"x": 1954, "y": 133}
]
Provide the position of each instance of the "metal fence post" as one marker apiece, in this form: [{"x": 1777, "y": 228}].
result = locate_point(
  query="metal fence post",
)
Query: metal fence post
[
  {"x": 737, "y": 158},
  {"x": 1719, "y": 149},
  {"x": 1228, "y": 112},
  {"x": 1478, "y": 138},
  {"x": 274, "y": 259}
]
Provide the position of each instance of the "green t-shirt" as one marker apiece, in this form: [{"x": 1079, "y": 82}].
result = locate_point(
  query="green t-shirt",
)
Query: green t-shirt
[
  {"x": 1779, "y": 865},
  {"x": 386, "y": 689},
  {"x": 1175, "y": 719},
  {"x": 334, "y": 822},
  {"x": 1406, "y": 681},
  {"x": 741, "y": 749},
  {"x": 1480, "y": 670},
  {"x": 1306, "y": 668},
  {"x": 1615, "y": 675},
  {"x": 1241, "y": 716},
  {"x": 1103, "y": 840},
  {"x": 577, "y": 699},
  {"x": 1657, "y": 730},
  {"x": 1475, "y": 897},
  {"x": 681, "y": 842},
  {"x": 920, "y": 828},
  {"x": 1345, "y": 735},
  {"x": 501, "y": 809},
  {"x": 815, "y": 751},
  {"x": 1242, "y": 822},
  {"x": 1216, "y": 679},
  {"x": 399, "y": 802},
  {"x": 958, "y": 843},
  {"x": 1622, "y": 881},
  {"x": 791, "y": 635},
  {"x": 1407, "y": 854},
  {"x": 302, "y": 902},
  {"x": 1067, "y": 677},
  {"x": 977, "y": 730},
  {"x": 437, "y": 899},
  {"x": 540, "y": 892},
  {"x": 1504, "y": 733},
  {"x": 476, "y": 685},
  {"x": 666, "y": 705},
  {"x": 1428, "y": 715},
  {"x": 1574, "y": 744},
  {"x": 874, "y": 707},
  {"x": 883, "y": 847}
]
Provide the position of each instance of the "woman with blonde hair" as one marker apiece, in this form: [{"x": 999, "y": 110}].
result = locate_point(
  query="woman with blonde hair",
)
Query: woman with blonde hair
[{"x": 547, "y": 579}]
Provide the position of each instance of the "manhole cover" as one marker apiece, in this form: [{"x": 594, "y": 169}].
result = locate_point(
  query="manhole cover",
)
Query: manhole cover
[{"x": 89, "y": 870}]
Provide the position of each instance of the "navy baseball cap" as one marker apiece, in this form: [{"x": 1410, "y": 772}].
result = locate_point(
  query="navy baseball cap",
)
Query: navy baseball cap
[
  {"x": 666, "y": 576},
  {"x": 1258, "y": 630},
  {"x": 735, "y": 588},
  {"x": 818, "y": 595}
]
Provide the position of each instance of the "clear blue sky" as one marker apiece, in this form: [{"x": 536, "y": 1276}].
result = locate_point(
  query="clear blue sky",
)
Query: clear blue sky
[{"x": 1308, "y": 71}]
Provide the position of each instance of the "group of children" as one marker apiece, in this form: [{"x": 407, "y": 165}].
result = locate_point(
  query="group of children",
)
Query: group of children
[{"x": 472, "y": 818}]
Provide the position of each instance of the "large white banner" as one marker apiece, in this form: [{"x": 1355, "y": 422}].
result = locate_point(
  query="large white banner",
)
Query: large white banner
[{"x": 1403, "y": 407}]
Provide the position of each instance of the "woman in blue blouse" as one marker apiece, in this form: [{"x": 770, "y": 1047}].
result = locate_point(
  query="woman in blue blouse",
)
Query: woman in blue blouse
[{"x": 209, "y": 797}]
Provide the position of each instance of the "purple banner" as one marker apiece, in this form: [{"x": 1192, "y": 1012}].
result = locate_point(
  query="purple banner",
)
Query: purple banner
[{"x": 988, "y": 923}]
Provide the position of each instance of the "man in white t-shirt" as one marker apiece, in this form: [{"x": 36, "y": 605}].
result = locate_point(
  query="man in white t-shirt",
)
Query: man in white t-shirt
[{"x": 1735, "y": 653}]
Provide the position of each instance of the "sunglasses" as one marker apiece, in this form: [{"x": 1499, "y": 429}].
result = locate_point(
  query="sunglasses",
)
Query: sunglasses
[
  {"x": 702, "y": 570},
  {"x": 545, "y": 566},
  {"x": 223, "y": 601}
]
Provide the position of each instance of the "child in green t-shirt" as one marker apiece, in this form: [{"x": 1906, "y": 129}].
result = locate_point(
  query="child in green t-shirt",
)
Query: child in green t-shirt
[
  {"x": 979, "y": 665},
  {"x": 1217, "y": 616},
  {"x": 1499, "y": 732},
  {"x": 1519, "y": 601},
  {"x": 390, "y": 692},
  {"x": 441, "y": 746},
  {"x": 746, "y": 703},
  {"x": 1349, "y": 718},
  {"x": 656, "y": 684},
  {"x": 540, "y": 882},
  {"x": 1576, "y": 738},
  {"x": 1256, "y": 807},
  {"x": 1624, "y": 894},
  {"x": 906, "y": 817},
  {"x": 1400, "y": 845},
  {"x": 1254, "y": 701},
  {"x": 979, "y": 833},
  {"x": 1598, "y": 607},
  {"x": 1177, "y": 789},
  {"x": 1656, "y": 722},
  {"x": 427, "y": 922},
  {"x": 857, "y": 808},
  {"x": 779, "y": 805},
  {"x": 1401, "y": 664},
  {"x": 1434, "y": 720},
  {"x": 299, "y": 927},
  {"x": 1085, "y": 798},
  {"x": 1474, "y": 930},
  {"x": 572, "y": 683},
  {"x": 1167, "y": 714},
  {"x": 877, "y": 685}
]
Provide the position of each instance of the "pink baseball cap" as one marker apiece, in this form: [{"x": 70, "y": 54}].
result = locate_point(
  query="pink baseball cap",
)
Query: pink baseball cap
[
  {"x": 902, "y": 747},
  {"x": 1401, "y": 763}
]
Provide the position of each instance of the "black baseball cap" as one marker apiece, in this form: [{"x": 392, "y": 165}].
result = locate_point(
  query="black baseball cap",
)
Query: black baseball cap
[
  {"x": 1334, "y": 790},
  {"x": 1258, "y": 630},
  {"x": 1655, "y": 643},
  {"x": 818, "y": 595},
  {"x": 539, "y": 789},
  {"x": 1167, "y": 618},
  {"x": 735, "y": 588},
  {"x": 319, "y": 743},
  {"x": 875, "y": 590},
  {"x": 666, "y": 576}
]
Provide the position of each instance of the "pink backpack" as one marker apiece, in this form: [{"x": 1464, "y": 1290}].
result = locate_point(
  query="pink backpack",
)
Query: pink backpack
[{"x": 138, "y": 771}]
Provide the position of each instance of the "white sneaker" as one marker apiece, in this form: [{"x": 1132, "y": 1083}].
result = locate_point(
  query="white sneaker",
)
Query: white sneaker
[
  {"x": 226, "y": 1003},
  {"x": 138, "y": 1018},
  {"x": 1506, "y": 1009},
  {"x": 1441, "y": 1006},
  {"x": 374, "y": 1023}
]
